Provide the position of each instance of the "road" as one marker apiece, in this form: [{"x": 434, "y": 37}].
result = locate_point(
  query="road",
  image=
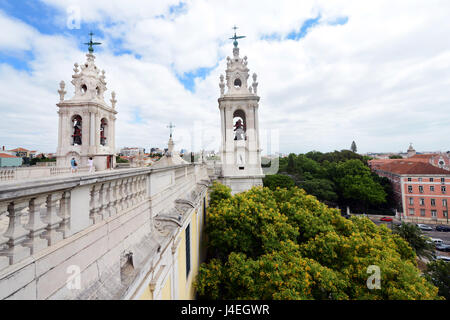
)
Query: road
[{"x": 444, "y": 236}]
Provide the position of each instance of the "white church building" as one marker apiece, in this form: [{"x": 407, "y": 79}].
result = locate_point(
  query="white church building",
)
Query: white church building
[{"x": 130, "y": 233}]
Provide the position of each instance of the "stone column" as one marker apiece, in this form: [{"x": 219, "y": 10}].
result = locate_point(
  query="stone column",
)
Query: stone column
[
  {"x": 64, "y": 214},
  {"x": 36, "y": 226},
  {"x": 52, "y": 219},
  {"x": 4, "y": 260},
  {"x": 16, "y": 233}
]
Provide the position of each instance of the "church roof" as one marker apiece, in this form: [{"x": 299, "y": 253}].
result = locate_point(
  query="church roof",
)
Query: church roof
[{"x": 412, "y": 167}]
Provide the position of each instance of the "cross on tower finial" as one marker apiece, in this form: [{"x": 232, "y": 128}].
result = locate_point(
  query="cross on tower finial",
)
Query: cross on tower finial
[
  {"x": 91, "y": 44},
  {"x": 235, "y": 37},
  {"x": 171, "y": 126}
]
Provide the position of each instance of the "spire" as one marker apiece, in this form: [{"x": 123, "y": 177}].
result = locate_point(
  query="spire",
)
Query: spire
[
  {"x": 235, "y": 37},
  {"x": 171, "y": 126},
  {"x": 91, "y": 44}
]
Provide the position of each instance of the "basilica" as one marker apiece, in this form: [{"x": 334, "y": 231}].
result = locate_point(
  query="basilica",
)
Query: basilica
[{"x": 129, "y": 233}]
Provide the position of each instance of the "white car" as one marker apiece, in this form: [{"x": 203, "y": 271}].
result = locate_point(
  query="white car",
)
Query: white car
[
  {"x": 443, "y": 258},
  {"x": 436, "y": 240},
  {"x": 424, "y": 227}
]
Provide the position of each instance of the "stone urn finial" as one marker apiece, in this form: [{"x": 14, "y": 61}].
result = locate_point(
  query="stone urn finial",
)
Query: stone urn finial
[
  {"x": 113, "y": 99},
  {"x": 61, "y": 91}
]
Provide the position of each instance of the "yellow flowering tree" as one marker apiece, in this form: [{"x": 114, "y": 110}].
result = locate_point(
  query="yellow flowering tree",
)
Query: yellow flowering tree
[{"x": 284, "y": 244}]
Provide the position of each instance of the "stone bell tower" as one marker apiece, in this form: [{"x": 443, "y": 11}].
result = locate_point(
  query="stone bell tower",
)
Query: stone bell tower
[
  {"x": 240, "y": 151},
  {"x": 86, "y": 121}
]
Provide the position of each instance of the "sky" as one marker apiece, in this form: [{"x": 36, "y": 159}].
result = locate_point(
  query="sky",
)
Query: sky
[{"x": 329, "y": 72}]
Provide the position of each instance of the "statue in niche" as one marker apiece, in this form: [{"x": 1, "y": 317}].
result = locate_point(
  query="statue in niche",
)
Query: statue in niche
[{"x": 239, "y": 130}]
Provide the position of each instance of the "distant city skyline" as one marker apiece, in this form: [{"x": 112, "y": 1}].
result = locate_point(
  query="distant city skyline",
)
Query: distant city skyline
[{"x": 329, "y": 73}]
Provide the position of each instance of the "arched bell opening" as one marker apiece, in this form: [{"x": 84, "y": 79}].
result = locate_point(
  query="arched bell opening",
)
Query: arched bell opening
[
  {"x": 103, "y": 131},
  {"x": 77, "y": 124},
  {"x": 239, "y": 125}
]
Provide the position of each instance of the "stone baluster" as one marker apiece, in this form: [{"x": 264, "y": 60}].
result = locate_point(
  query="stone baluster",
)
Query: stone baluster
[
  {"x": 36, "y": 226},
  {"x": 119, "y": 201},
  {"x": 16, "y": 233},
  {"x": 112, "y": 198},
  {"x": 142, "y": 188},
  {"x": 4, "y": 260},
  {"x": 105, "y": 200},
  {"x": 96, "y": 205},
  {"x": 64, "y": 214},
  {"x": 133, "y": 191},
  {"x": 117, "y": 197},
  {"x": 52, "y": 219},
  {"x": 126, "y": 194}
]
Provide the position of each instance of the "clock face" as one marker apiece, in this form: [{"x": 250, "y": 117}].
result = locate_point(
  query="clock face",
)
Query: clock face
[{"x": 237, "y": 83}]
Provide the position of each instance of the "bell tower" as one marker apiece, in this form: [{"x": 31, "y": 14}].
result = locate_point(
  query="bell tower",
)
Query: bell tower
[
  {"x": 86, "y": 122},
  {"x": 240, "y": 151}
]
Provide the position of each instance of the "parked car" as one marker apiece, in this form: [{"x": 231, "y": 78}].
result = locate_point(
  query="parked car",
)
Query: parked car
[
  {"x": 346, "y": 216},
  {"x": 443, "y": 258},
  {"x": 424, "y": 227},
  {"x": 386, "y": 219},
  {"x": 443, "y": 228},
  {"x": 443, "y": 247},
  {"x": 436, "y": 240}
]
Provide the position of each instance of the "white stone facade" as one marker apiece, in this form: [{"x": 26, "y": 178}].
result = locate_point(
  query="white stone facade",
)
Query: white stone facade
[
  {"x": 86, "y": 121},
  {"x": 240, "y": 151}
]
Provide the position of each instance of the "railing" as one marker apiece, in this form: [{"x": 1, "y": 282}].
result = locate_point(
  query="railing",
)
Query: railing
[
  {"x": 36, "y": 220},
  {"x": 22, "y": 173}
]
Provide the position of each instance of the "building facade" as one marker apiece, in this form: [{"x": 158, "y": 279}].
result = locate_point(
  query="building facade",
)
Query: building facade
[
  {"x": 7, "y": 160},
  {"x": 420, "y": 189}
]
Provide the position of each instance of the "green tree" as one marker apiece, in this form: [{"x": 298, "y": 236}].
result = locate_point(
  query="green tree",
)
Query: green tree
[
  {"x": 278, "y": 181},
  {"x": 323, "y": 189},
  {"x": 284, "y": 244},
  {"x": 357, "y": 186},
  {"x": 291, "y": 163},
  {"x": 414, "y": 236},
  {"x": 438, "y": 273},
  {"x": 218, "y": 193},
  {"x": 353, "y": 147},
  {"x": 395, "y": 156}
]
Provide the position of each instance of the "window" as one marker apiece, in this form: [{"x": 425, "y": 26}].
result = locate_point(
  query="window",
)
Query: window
[
  {"x": 431, "y": 180},
  {"x": 411, "y": 211},
  {"x": 411, "y": 200},
  {"x": 443, "y": 189},
  {"x": 188, "y": 250},
  {"x": 431, "y": 188},
  {"x": 420, "y": 179},
  {"x": 433, "y": 213},
  {"x": 103, "y": 133},
  {"x": 433, "y": 202},
  {"x": 410, "y": 189},
  {"x": 204, "y": 210},
  {"x": 444, "y": 203},
  {"x": 422, "y": 201},
  {"x": 409, "y": 179},
  {"x": 442, "y": 180},
  {"x": 445, "y": 213},
  {"x": 421, "y": 189},
  {"x": 422, "y": 212}
]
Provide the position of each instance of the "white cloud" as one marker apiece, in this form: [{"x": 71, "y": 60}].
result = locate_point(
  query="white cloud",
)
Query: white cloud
[{"x": 381, "y": 79}]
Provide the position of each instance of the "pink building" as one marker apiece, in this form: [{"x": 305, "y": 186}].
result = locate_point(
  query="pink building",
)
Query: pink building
[{"x": 421, "y": 189}]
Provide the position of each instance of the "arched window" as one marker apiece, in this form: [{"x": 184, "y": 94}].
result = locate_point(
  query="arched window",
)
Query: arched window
[
  {"x": 77, "y": 130},
  {"x": 103, "y": 132},
  {"x": 240, "y": 125}
]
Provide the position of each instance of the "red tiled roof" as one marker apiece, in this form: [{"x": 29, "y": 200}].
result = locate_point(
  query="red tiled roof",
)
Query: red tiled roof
[
  {"x": 5, "y": 155},
  {"x": 412, "y": 167},
  {"x": 19, "y": 149}
]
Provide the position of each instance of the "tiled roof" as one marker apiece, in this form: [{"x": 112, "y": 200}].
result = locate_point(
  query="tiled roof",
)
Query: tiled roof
[
  {"x": 19, "y": 149},
  {"x": 5, "y": 155},
  {"x": 412, "y": 167},
  {"x": 423, "y": 156}
]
